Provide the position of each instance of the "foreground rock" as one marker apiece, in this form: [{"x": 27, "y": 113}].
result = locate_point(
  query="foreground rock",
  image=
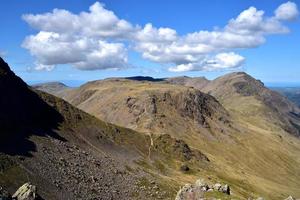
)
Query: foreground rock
[
  {"x": 26, "y": 192},
  {"x": 198, "y": 189}
]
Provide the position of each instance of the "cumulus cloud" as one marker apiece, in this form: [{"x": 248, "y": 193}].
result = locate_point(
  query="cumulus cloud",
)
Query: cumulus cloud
[
  {"x": 191, "y": 51},
  {"x": 84, "y": 53},
  {"x": 98, "y": 39},
  {"x": 98, "y": 22},
  {"x": 287, "y": 11},
  {"x": 220, "y": 61}
]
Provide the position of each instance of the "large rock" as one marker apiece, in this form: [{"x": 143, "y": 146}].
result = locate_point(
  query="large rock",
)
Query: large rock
[
  {"x": 226, "y": 189},
  {"x": 26, "y": 192},
  {"x": 189, "y": 192},
  {"x": 200, "y": 183},
  {"x": 217, "y": 187},
  {"x": 290, "y": 198}
]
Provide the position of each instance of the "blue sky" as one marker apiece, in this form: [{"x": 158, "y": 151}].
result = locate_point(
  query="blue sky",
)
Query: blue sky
[{"x": 276, "y": 60}]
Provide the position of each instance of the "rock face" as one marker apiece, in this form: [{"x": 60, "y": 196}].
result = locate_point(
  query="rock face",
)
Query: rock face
[
  {"x": 151, "y": 107},
  {"x": 26, "y": 192}
]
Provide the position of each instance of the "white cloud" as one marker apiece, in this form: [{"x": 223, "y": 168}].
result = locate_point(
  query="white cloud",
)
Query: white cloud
[
  {"x": 98, "y": 22},
  {"x": 189, "y": 52},
  {"x": 84, "y": 53},
  {"x": 252, "y": 21},
  {"x": 98, "y": 39},
  {"x": 287, "y": 11},
  {"x": 220, "y": 61},
  {"x": 42, "y": 67}
]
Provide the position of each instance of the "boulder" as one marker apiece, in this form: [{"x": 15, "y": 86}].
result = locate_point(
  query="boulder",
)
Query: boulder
[
  {"x": 26, "y": 192},
  {"x": 189, "y": 192},
  {"x": 200, "y": 183},
  {"x": 217, "y": 187},
  {"x": 290, "y": 198},
  {"x": 226, "y": 189}
]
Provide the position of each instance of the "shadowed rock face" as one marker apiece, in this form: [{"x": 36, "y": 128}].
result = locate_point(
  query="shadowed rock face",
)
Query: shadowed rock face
[{"x": 23, "y": 113}]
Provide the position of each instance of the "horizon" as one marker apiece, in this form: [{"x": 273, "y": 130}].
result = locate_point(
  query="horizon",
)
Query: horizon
[
  {"x": 78, "y": 83},
  {"x": 259, "y": 38}
]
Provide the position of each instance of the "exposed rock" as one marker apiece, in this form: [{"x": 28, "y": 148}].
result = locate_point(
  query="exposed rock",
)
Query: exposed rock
[
  {"x": 202, "y": 184},
  {"x": 217, "y": 186},
  {"x": 26, "y": 192},
  {"x": 189, "y": 192},
  {"x": 226, "y": 189},
  {"x": 290, "y": 198},
  {"x": 197, "y": 191}
]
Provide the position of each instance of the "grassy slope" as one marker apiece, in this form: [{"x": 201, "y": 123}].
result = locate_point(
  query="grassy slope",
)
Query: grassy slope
[{"x": 258, "y": 159}]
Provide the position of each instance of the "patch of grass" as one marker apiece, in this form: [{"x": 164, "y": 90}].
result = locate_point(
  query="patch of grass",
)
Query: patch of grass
[
  {"x": 129, "y": 169},
  {"x": 11, "y": 174},
  {"x": 160, "y": 166}
]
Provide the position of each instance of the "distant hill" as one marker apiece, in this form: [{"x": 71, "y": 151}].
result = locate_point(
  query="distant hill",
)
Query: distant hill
[
  {"x": 241, "y": 92},
  {"x": 150, "y": 106},
  {"x": 54, "y": 88},
  {"x": 292, "y": 93}
]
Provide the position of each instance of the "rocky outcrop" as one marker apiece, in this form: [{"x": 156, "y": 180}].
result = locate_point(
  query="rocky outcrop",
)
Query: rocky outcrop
[
  {"x": 199, "y": 188},
  {"x": 26, "y": 192},
  {"x": 176, "y": 148}
]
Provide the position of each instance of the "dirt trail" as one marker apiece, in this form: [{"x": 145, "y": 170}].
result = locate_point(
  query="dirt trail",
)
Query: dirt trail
[{"x": 151, "y": 145}]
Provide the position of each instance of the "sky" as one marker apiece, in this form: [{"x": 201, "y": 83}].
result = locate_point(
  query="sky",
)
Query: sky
[{"x": 76, "y": 41}]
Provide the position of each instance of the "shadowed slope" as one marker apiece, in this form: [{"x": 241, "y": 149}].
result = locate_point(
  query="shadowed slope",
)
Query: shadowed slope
[{"x": 23, "y": 113}]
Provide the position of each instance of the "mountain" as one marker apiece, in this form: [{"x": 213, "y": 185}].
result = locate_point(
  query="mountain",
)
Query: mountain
[
  {"x": 247, "y": 132},
  {"x": 150, "y": 107},
  {"x": 196, "y": 82},
  {"x": 244, "y": 94},
  {"x": 292, "y": 93},
  {"x": 69, "y": 154},
  {"x": 54, "y": 88}
]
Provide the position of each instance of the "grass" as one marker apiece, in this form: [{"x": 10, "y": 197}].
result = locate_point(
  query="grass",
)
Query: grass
[
  {"x": 12, "y": 176},
  {"x": 252, "y": 159}
]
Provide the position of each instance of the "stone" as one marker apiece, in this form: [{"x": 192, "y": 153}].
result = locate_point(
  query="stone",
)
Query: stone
[
  {"x": 217, "y": 186},
  {"x": 200, "y": 183},
  {"x": 226, "y": 189},
  {"x": 290, "y": 198},
  {"x": 189, "y": 192},
  {"x": 26, "y": 192}
]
